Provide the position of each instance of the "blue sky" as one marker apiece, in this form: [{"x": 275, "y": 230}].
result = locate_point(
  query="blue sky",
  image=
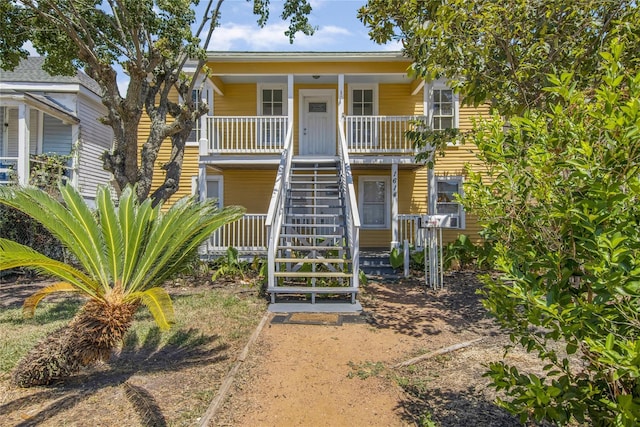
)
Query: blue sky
[{"x": 338, "y": 29}]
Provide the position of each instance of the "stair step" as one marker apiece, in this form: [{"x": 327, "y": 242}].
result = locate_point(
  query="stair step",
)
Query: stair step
[
  {"x": 310, "y": 289},
  {"x": 304, "y": 224},
  {"x": 303, "y": 248},
  {"x": 297, "y": 198},
  {"x": 309, "y": 190},
  {"x": 314, "y": 206},
  {"x": 310, "y": 216},
  {"x": 312, "y": 274},
  {"x": 311, "y": 236},
  {"x": 314, "y": 260}
]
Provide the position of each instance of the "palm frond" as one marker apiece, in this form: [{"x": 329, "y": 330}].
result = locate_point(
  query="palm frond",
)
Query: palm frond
[
  {"x": 14, "y": 255},
  {"x": 136, "y": 220},
  {"x": 158, "y": 301},
  {"x": 175, "y": 236},
  {"x": 93, "y": 240},
  {"x": 111, "y": 232},
  {"x": 56, "y": 218},
  {"x": 31, "y": 302}
]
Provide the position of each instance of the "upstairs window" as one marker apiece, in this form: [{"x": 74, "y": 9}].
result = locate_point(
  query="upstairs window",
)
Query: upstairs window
[
  {"x": 271, "y": 131},
  {"x": 363, "y": 105},
  {"x": 443, "y": 109},
  {"x": 447, "y": 188}
]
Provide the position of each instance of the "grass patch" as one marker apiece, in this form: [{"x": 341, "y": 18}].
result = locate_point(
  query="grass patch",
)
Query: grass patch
[
  {"x": 20, "y": 334},
  {"x": 178, "y": 372}
]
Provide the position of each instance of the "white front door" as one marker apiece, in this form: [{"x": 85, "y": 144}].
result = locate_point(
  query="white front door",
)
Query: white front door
[{"x": 317, "y": 125}]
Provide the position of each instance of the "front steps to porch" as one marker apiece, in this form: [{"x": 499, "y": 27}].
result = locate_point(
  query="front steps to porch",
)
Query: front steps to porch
[{"x": 313, "y": 263}]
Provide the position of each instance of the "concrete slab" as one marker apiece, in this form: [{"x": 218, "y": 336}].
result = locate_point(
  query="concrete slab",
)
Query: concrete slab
[{"x": 318, "y": 307}]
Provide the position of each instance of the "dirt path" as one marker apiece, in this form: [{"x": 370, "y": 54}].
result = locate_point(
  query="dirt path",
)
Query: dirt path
[{"x": 328, "y": 375}]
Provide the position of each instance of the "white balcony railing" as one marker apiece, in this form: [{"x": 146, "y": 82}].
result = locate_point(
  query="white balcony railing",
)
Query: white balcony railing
[
  {"x": 247, "y": 235},
  {"x": 245, "y": 134},
  {"x": 380, "y": 134},
  {"x": 8, "y": 170}
]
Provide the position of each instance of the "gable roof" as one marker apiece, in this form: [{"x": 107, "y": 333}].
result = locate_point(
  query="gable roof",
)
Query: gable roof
[{"x": 30, "y": 71}]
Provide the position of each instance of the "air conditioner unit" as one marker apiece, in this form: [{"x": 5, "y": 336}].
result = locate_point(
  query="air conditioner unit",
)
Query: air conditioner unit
[{"x": 439, "y": 221}]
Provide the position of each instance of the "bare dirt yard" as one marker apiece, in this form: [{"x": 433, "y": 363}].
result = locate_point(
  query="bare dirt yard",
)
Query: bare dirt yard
[{"x": 303, "y": 370}]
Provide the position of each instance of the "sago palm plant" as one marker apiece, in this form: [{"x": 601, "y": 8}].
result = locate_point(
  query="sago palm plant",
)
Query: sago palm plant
[{"x": 123, "y": 254}]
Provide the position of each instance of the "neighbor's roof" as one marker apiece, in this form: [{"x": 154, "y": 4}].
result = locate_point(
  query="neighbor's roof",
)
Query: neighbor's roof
[
  {"x": 30, "y": 71},
  {"x": 383, "y": 56}
]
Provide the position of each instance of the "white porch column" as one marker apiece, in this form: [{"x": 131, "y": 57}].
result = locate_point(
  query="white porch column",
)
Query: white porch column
[
  {"x": 432, "y": 191},
  {"x": 289, "y": 99},
  {"x": 75, "y": 160},
  {"x": 340, "y": 97},
  {"x": 395, "y": 238},
  {"x": 23, "y": 144}
]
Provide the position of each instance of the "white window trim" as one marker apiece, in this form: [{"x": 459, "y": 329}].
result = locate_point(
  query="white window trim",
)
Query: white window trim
[
  {"x": 219, "y": 181},
  {"x": 373, "y": 86},
  {"x": 460, "y": 180},
  {"x": 428, "y": 103},
  {"x": 285, "y": 96},
  {"x": 207, "y": 90},
  {"x": 387, "y": 204}
]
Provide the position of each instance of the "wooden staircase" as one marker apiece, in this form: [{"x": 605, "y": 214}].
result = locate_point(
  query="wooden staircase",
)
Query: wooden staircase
[{"x": 312, "y": 256}]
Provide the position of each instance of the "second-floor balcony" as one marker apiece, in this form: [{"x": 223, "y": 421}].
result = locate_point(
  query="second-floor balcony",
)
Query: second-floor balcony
[{"x": 225, "y": 135}]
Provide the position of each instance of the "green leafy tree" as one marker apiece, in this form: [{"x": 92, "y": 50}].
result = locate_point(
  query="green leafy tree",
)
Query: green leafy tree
[
  {"x": 124, "y": 255},
  {"x": 502, "y": 52},
  {"x": 561, "y": 197},
  {"x": 153, "y": 41}
]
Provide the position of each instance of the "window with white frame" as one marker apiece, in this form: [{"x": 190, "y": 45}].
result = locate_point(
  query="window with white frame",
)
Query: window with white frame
[
  {"x": 374, "y": 201},
  {"x": 272, "y": 102},
  {"x": 214, "y": 189},
  {"x": 443, "y": 109},
  {"x": 363, "y": 105},
  {"x": 447, "y": 204}
]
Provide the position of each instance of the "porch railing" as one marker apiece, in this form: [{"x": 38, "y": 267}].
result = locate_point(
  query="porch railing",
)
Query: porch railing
[
  {"x": 276, "y": 205},
  {"x": 247, "y": 235},
  {"x": 8, "y": 170},
  {"x": 245, "y": 134},
  {"x": 380, "y": 134},
  {"x": 408, "y": 230},
  {"x": 351, "y": 206}
]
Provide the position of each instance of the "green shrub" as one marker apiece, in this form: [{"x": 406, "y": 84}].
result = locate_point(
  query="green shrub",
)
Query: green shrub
[{"x": 563, "y": 204}]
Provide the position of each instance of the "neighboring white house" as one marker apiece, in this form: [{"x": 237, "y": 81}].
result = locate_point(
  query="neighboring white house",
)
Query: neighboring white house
[{"x": 44, "y": 114}]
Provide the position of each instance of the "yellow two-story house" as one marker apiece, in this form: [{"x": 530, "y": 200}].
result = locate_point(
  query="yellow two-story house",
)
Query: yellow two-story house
[{"x": 313, "y": 145}]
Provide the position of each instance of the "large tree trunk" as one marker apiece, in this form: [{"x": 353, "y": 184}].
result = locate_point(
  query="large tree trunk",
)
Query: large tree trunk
[{"x": 90, "y": 336}]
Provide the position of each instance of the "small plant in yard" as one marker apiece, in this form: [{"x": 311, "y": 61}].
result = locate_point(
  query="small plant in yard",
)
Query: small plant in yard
[
  {"x": 366, "y": 369},
  {"x": 230, "y": 265},
  {"x": 124, "y": 254}
]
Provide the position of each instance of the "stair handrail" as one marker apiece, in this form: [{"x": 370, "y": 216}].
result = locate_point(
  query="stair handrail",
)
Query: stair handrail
[
  {"x": 276, "y": 204},
  {"x": 352, "y": 216}
]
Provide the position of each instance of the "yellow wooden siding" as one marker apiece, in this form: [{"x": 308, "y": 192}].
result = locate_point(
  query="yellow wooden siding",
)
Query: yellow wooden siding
[
  {"x": 468, "y": 114},
  {"x": 249, "y": 188},
  {"x": 396, "y": 100},
  {"x": 238, "y": 100}
]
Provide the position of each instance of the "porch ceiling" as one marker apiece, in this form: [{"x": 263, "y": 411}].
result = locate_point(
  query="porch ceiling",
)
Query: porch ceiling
[
  {"x": 317, "y": 78},
  {"x": 267, "y": 162}
]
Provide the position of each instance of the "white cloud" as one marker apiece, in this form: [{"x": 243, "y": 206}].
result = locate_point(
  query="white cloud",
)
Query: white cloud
[
  {"x": 28, "y": 46},
  {"x": 234, "y": 36}
]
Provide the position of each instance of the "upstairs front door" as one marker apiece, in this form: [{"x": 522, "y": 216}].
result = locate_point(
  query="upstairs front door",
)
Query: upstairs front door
[{"x": 317, "y": 123}]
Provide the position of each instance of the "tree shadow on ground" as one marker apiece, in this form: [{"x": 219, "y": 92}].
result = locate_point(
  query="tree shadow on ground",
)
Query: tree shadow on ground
[
  {"x": 448, "y": 408},
  {"x": 184, "y": 349},
  {"x": 409, "y": 307}
]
